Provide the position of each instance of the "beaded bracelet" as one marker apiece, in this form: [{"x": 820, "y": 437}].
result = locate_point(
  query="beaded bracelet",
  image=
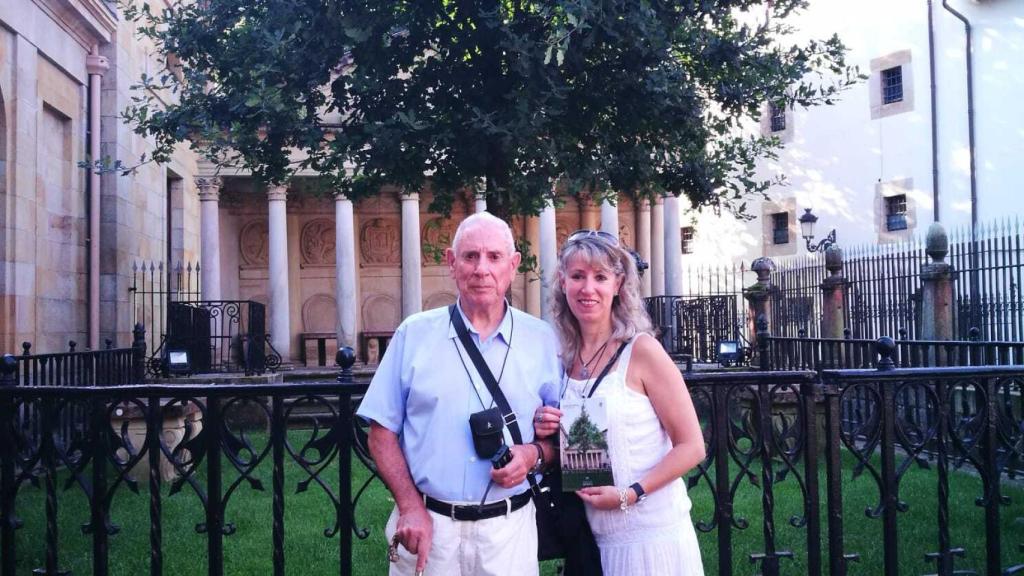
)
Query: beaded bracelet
[{"x": 623, "y": 502}]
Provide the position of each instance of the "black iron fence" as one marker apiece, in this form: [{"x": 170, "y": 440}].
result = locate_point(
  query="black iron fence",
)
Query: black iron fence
[
  {"x": 763, "y": 430},
  {"x": 804, "y": 353},
  {"x": 884, "y": 291},
  {"x": 108, "y": 367},
  {"x": 154, "y": 286},
  {"x": 694, "y": 325},
  {"x": 219, "y": 336}
]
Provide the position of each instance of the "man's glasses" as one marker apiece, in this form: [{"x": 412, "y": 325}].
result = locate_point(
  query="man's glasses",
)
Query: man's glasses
[{"x": 607, "y": 237}]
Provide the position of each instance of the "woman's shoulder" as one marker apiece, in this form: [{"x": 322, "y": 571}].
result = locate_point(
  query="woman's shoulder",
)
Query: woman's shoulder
[{"x": 646, "y": 345}]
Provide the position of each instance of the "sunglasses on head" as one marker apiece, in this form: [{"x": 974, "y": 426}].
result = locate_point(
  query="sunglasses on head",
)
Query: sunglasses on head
[{"x": 606, "y": 237}]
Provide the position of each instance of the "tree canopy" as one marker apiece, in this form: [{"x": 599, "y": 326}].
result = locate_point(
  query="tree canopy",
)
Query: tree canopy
[{"x": 508, "y": 96}]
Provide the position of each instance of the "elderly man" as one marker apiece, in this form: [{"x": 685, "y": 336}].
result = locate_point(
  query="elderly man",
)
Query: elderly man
[{"x": 454, "y": 512}]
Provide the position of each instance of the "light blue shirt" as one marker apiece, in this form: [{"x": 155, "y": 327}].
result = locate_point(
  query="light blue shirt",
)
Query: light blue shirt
[{"x": 423, "y": 392}]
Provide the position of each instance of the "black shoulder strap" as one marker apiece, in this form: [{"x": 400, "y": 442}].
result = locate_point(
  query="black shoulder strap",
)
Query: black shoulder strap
[
  {"x": 607, "y": 368},
  {"x": 485, "y": 372},
  {"x": 492, "y": 386}
]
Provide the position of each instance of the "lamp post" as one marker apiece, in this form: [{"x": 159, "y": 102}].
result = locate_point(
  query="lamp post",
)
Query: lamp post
[{"x": 807, "y": 221}]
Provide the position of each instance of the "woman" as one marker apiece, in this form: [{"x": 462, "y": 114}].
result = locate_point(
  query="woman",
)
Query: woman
[{"x": 641, "y": 523}]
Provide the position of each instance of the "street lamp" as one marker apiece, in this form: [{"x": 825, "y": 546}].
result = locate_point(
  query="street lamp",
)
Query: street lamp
[{"x": 807, "y": 222}]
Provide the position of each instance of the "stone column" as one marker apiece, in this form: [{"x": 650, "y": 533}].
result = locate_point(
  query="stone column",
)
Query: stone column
[
  {"x": 96, "y": 66},
  {"x": 673, "y": 248},
  {"x": 548, "y": 256},
  {"x": 610, "y": 218},
  {"x": 480, "y": 195},
  {"x": 209, "y": 236},
  {"x": 412, "y": 281},
  {"x": 345, "y": 266},
  {"x": 937, "y": 288},
  {"x": 758, "y": 296},
  {"x": 277, "y": 224},
  {"x": 833, "y": 295},
  {"x": 534, "y": 304},
  {"x": 643, "y": 243},
  {"x": 658, "y": 247},
  {"x": 590, "y": 214}
]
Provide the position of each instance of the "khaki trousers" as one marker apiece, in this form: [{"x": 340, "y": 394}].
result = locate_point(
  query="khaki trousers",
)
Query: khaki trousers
[{"x": 499, "y": 546}]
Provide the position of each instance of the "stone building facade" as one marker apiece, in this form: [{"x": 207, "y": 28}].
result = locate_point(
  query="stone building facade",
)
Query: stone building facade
[{"x": 69, "y": 237}]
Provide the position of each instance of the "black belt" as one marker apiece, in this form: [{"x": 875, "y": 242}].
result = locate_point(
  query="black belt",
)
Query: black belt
[{"x": 473, "y": 512}]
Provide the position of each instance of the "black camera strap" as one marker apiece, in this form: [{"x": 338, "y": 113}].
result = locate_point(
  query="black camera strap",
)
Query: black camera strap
[
  {"x": 607, "y": 368},
  {"x": 507, "y": 414}
]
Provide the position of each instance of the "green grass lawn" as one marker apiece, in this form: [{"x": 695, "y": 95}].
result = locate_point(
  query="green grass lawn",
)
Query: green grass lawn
[{"x": 309, "y": 552}]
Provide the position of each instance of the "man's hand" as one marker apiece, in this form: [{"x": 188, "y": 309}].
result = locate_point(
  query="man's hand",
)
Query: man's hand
[
  {"x": 415, "y": 531},
  {"x": 545, "y": 421},
  {"x": 513, "y": 474}
]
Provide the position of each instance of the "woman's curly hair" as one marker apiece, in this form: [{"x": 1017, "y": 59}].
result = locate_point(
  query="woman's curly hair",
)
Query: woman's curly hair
[{"x": 629, "y": 317}]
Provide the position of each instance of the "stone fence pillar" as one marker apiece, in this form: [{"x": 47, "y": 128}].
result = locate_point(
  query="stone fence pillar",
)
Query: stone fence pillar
[
  {"x": 833, "y": 295},
  {"x": 937, "y": 288},
  {"x": 758, "y": 296}
]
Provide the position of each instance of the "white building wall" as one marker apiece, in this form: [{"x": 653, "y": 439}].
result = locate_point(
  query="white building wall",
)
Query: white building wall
[{"x": 838, "y": 159}]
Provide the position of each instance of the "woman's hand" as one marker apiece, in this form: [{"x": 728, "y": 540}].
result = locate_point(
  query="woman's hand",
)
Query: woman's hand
[
  {"x": 604, "y": 497},
  {"x": 545, "y": 421}
]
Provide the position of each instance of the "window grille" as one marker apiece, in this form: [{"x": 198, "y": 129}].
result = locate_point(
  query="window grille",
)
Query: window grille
[
  {"x": 778, "y": 116},
  {"x": 686, "y": 233},
  {"x": 892, "y": 85},
  {"x": 896, "y": 212},
  {"x": 780, "y": 228}
]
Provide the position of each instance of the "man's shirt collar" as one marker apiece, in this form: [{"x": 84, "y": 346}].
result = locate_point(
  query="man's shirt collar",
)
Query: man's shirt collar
[{"x": 504, "y": 328}]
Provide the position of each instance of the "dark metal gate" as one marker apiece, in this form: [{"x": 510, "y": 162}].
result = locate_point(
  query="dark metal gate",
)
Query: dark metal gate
[
  {"x": 704, "y": 321},
  {"x": 188, "y": 328},
  {"x": 220, "y": 336}
]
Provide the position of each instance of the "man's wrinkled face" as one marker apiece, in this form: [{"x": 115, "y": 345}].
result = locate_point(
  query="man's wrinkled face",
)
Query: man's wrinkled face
[{"x": 482, "y": 266}]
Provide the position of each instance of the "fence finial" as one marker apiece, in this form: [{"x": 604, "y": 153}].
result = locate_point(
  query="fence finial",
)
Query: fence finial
[
  {"x": 937, "y": 243},
  {"x": 72, "y": 345},
  {"x": 763, "y": 267},
  {"x": 8, "y": 368},
  {"x": 26, "y": 348},
  {"x": 345, "y": 358},
  {"x": 974, "y": 334},
  {"x": 834, "y": 260},
  {"x": 885, "y": 347}
]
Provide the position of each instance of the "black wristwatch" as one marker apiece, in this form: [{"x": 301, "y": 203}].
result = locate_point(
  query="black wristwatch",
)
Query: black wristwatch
[{"x": 640, "y": 494}]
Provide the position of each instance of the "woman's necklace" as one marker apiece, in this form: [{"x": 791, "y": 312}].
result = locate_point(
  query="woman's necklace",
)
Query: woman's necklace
[{"x": 585, "y": 366}]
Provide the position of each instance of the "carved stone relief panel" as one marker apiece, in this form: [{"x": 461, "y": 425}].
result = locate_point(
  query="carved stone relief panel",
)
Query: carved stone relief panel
[
  {"x": 319, "y": 313},
  {"x": 317, "y": 243},
  {"x": 562, "y": 230},
  {"x": 253, "y": 244},
  {"x": 438, "y": 299},
  {"x": 380, "y": 313},
  {"x": 626, "y": 235},
  {"x": 436, "y": 235},
  {"x": 379, "y": 242}
]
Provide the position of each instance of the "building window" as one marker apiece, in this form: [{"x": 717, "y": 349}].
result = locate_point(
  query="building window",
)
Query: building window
[
  {"x": 778, "y": 117},
  {"x": 780, "y": 228},
  {"x": 896, "y": 212},
  {"x": 892, "y": 85},
  {"x": 686, "y": 233}
]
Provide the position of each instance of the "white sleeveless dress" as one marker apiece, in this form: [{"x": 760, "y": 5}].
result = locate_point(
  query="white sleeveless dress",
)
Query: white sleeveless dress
[{"x": 657, "y": 536}]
